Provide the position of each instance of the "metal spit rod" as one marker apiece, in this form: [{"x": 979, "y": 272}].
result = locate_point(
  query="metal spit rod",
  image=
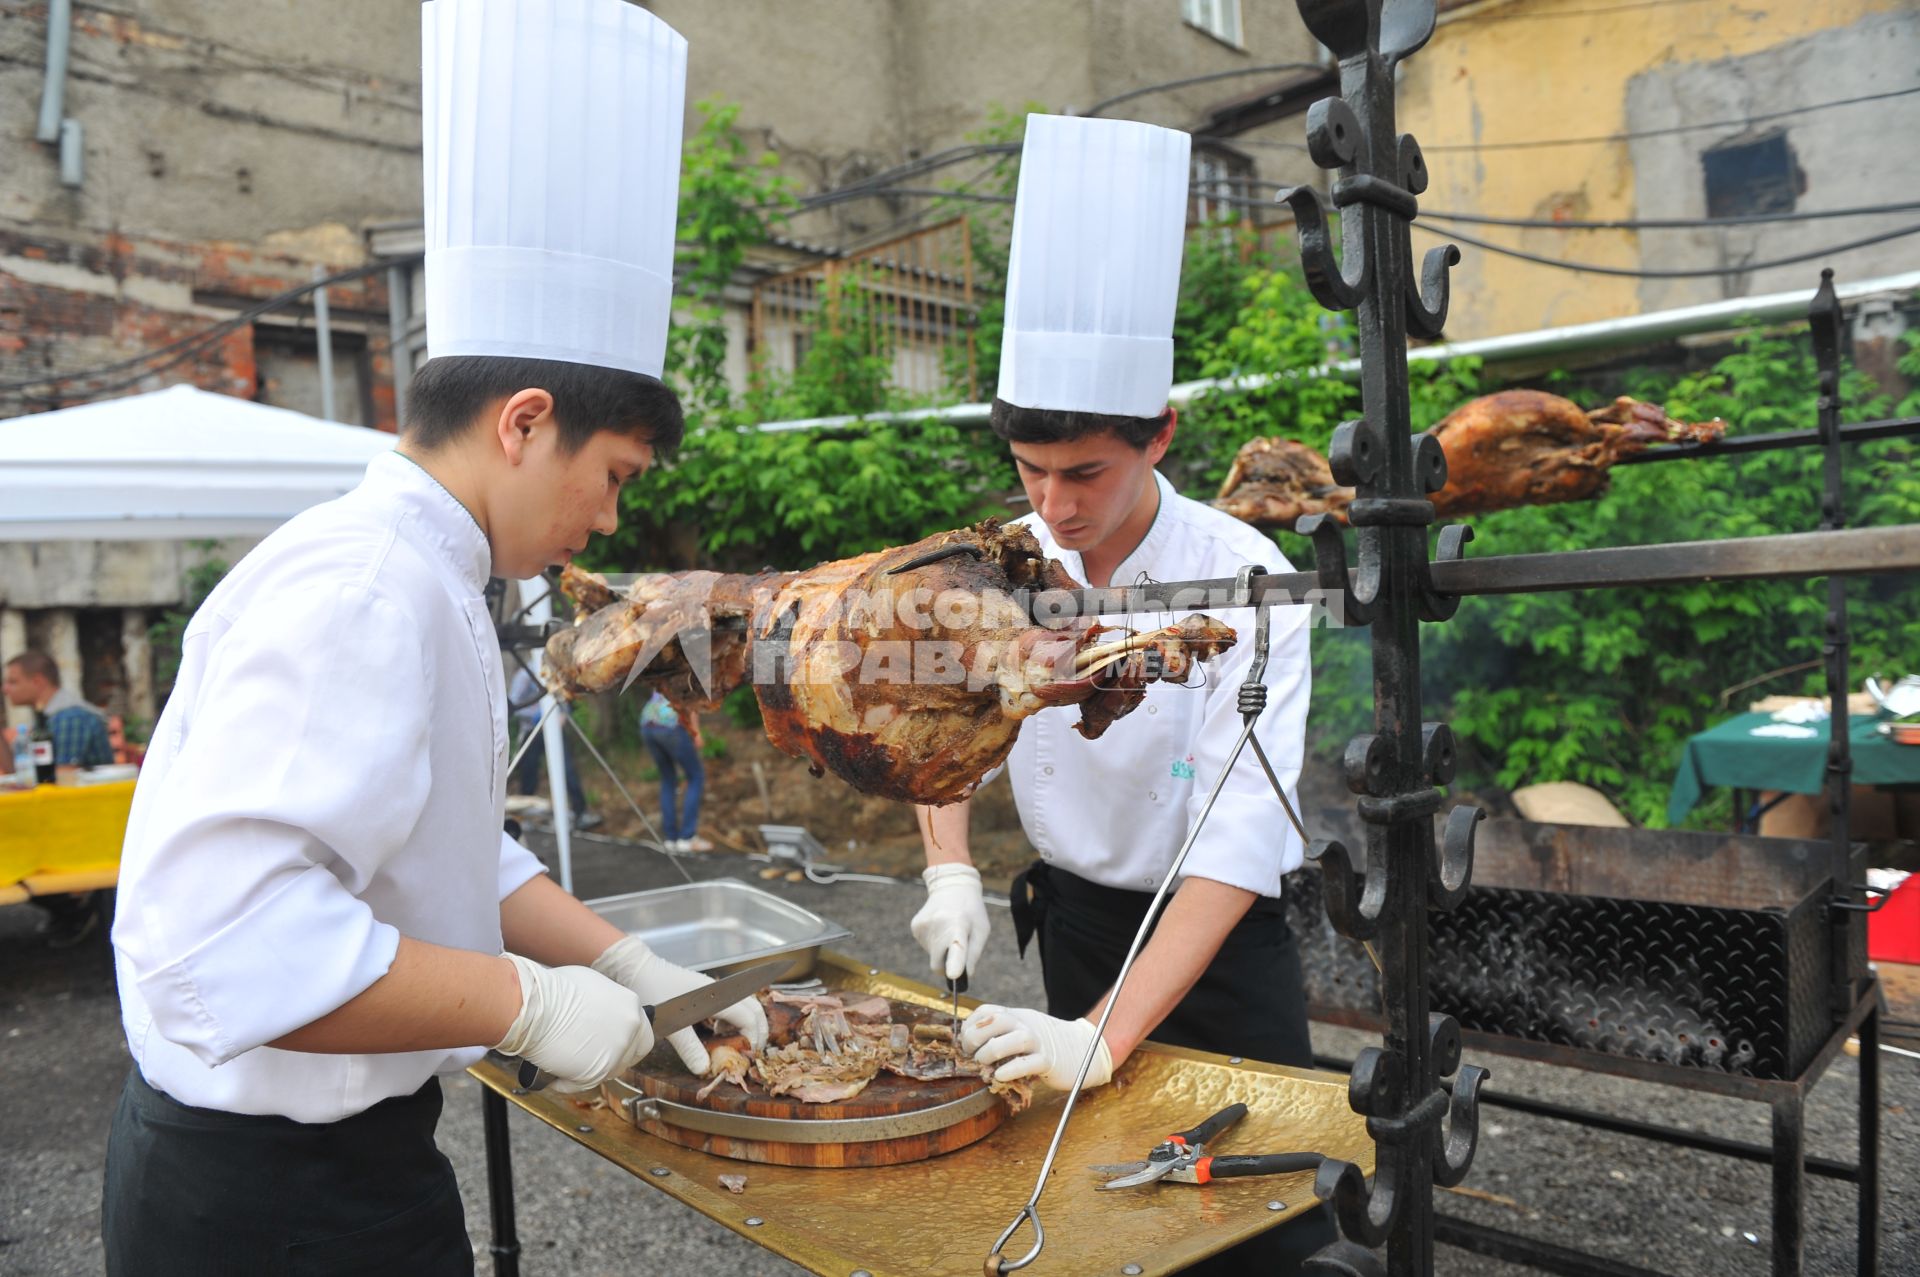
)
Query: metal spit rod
[{"x": 1252, "y": 702}]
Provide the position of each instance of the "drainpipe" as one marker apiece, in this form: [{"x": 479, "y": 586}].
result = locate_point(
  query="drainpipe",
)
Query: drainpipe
[
  {"x": 54, "y": 127},
  {"x": 1632, "y": 330},
  {"x": 323, "y": 336},
  {"x": 399, "y": 351},
  {"x": 53, "y": 94}
]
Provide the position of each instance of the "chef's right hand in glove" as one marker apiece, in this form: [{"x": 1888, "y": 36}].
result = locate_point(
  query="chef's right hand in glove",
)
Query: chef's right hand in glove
[
  {"x": 630, "y": 961},
  {"x": 576, "y": 1024},
  {"x": 952, "y": 925},
  {"x": 1029, "y": 1043}
]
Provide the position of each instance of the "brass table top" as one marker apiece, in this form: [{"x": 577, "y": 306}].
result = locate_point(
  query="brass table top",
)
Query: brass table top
[{"x": 941, "y": 1215}]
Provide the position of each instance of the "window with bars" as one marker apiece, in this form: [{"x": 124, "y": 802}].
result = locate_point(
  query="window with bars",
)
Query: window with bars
[
  {"x": 1218, "y": 18},
  {"x": 1220, "y": 186}
]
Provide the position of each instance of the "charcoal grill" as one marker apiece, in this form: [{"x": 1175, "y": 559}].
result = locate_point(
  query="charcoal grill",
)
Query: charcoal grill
[{"x": 1614, "y": 949}]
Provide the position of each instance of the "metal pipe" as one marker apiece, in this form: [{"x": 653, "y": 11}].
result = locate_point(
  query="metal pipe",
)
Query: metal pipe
[
  {"x": 53, "y": 92},
  {"x": 323, "y": 336},
  {"x": 73, "y": 153},
  {"x": 553, "y": 737},
  {"x": 399, "y": 349},
  {"x": 506, "y": 1237},
  {"x": 1848, "y": 551},
  {"x": 1850, "y": 432},
  {"x": 1629, "y": 330}
]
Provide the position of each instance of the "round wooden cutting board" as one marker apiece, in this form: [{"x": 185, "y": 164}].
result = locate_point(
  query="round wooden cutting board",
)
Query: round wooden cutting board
[{"x": 662, "y": 1076}]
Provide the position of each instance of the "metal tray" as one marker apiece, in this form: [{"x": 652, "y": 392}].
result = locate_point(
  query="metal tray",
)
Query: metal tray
[{"x": 721, "y": 926}]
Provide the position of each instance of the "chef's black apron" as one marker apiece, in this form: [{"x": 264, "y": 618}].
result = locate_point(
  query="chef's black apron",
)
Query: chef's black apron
[
  {"x": 1250, "y": 1002},
  {"x": 195, "y": 1192}
]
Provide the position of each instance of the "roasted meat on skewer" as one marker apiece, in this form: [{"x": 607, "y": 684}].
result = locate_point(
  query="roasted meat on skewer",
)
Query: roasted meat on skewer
[
  {"x": 1519, "y": 447},
  {"x": 906, "y": 672}
]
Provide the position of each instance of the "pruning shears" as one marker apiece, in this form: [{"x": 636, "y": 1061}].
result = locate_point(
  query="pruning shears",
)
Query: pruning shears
[{"x": 1183, "y": 1158}]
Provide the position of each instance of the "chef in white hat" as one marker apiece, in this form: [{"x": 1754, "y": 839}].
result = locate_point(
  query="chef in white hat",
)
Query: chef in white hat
[
  {"x": 319, "y": 913},
  {"x": 1086, "y": 366}
]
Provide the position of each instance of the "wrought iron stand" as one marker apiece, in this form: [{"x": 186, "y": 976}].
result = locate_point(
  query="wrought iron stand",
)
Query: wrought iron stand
[{"x": 1425, "y": 1131}]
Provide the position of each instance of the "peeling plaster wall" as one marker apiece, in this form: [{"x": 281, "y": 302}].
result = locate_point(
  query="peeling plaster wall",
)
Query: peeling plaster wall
[{"x": 1526, "y": 70}]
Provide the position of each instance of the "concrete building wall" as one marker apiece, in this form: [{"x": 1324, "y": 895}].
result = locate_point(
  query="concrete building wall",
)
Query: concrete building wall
[
  {"x": 1527, "y": 70},
  {"x": 232, "y": 148},
  {"x": 1847, "y": 156}
]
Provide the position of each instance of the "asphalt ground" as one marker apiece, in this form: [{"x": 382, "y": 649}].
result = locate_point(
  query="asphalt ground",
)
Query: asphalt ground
[{"x": 1685, "y": 1213}]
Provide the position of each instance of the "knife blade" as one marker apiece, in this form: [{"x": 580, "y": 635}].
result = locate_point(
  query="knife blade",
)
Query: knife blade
[{"x": 687, "y": 1009}]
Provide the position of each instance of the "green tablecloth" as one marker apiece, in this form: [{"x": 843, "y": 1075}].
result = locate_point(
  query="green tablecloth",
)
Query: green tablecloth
[{"x": 1730, "y": 754}]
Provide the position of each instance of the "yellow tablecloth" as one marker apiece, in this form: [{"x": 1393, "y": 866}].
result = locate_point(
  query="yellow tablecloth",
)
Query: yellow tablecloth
[{"x": 61, "y": 829}]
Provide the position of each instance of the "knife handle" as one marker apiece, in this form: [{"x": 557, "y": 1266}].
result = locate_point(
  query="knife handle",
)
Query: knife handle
[
  {"x": 1208, "y": 1131},
  {"x": 534, "y": 1078},
  {"x": 1233, "y": 1166}
]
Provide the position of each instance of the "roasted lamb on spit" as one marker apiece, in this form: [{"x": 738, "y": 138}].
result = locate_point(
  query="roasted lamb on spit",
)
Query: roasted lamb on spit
[
  {"x": 906, "y": 672},
  {"x": 1519, "y": 447}
]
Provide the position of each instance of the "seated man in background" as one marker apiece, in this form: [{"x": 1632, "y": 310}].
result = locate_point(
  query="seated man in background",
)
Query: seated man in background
[
  {"x": 79, "y": 733},
  {"x": 79, "y": 730}
]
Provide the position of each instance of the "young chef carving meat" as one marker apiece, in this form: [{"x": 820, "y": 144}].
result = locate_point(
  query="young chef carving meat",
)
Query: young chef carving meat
[
  {"x": 1086, "y": 366},
  {"x": 316, "y": 892}
]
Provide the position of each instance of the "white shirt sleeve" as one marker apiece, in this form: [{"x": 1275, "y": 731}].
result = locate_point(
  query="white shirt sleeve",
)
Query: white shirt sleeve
[
  {"x": 1248, "y": 842},
  {"x": 301, "y": 767},
  {"x": 518, "y": 866}
]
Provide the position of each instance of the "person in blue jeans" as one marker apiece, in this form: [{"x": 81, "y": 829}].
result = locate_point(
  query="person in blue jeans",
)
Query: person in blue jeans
[{"x": 675, "y": 747}]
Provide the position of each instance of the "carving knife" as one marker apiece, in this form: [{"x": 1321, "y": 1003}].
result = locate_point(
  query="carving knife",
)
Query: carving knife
[{"x": 688, "y": 1009}]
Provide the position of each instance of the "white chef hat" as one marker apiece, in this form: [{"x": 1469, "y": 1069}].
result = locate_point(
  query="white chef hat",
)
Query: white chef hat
[
  {"x": 1098, "y": 228},
  {"x": 551, "y": 134}
]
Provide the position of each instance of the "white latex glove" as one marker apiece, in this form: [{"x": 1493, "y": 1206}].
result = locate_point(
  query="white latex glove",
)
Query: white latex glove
[
  {"x": 952, "y": 926},
  {"x": 655, "y": 979},
  {"x": 1034, "y": 1044},
  {"x": 576, "y": 1024}
]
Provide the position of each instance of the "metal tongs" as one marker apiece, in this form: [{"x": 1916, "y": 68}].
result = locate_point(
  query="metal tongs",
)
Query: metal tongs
[{"x": 1183, "y": 1158}]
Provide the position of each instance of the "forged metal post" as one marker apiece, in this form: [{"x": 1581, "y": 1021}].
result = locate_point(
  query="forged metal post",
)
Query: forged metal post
[
  {"x": 1422, "y": 1135},
  {"x": 1867, "y": 1263},
  {"x": 506, "y": 1238},
  {"x": 1789, "y": 1184},
  {"x": 1849, "y": 927}
]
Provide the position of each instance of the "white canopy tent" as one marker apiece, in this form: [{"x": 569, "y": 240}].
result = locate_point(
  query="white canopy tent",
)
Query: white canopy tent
[
  {"x": 185, "y": 464},
  {"x": 176, "y": 464}
]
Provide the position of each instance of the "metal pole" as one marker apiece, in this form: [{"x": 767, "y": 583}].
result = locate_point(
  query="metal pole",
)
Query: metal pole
[
  {"x": 399, "y": 351},
  {"x": 1400, "y": 768},
  {"x": 506, "y": 1237},
  {"x": 554, "y": 738},
  {"x": 1867, "y": 1263},
  {"x": 323, "y": 336},
  {"x": 1789, "y": 1185},
  {"x": 53, "y": 91}
]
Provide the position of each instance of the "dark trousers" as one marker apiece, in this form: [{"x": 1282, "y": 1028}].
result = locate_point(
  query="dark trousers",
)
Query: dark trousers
[
  {"x": 194, "y": 1192},
  {"x": 675, "y": 754},
  {"x": 1250, "y": 1002}
]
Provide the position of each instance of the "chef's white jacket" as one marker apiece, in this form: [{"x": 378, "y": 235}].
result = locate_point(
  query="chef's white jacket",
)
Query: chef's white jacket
[
  {"x": 1115, "y": 810},
  {"x": 328, "y": 775}
]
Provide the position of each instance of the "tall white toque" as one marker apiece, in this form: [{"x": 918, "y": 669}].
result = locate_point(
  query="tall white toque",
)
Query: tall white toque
[
  {"x": 552, "y": 143},
  {"x": 1098, "y": 228}
]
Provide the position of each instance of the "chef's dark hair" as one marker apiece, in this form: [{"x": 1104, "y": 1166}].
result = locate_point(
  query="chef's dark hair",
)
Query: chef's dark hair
[
  {"x": 1063, "y": 425},
  {"x": 449, "y": 393}
]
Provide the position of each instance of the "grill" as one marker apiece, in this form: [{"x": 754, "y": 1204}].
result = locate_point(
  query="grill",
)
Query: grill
[{"x": 1693, "y": 951}]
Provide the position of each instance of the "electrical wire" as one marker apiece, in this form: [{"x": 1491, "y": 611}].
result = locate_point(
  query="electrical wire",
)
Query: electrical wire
[
  {"x": 1170, "y": 85},
  {"x": 1749, "y": 122},
  {"x": 1669, "y": 223},
  {"x": 1705, "y": 272}
]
